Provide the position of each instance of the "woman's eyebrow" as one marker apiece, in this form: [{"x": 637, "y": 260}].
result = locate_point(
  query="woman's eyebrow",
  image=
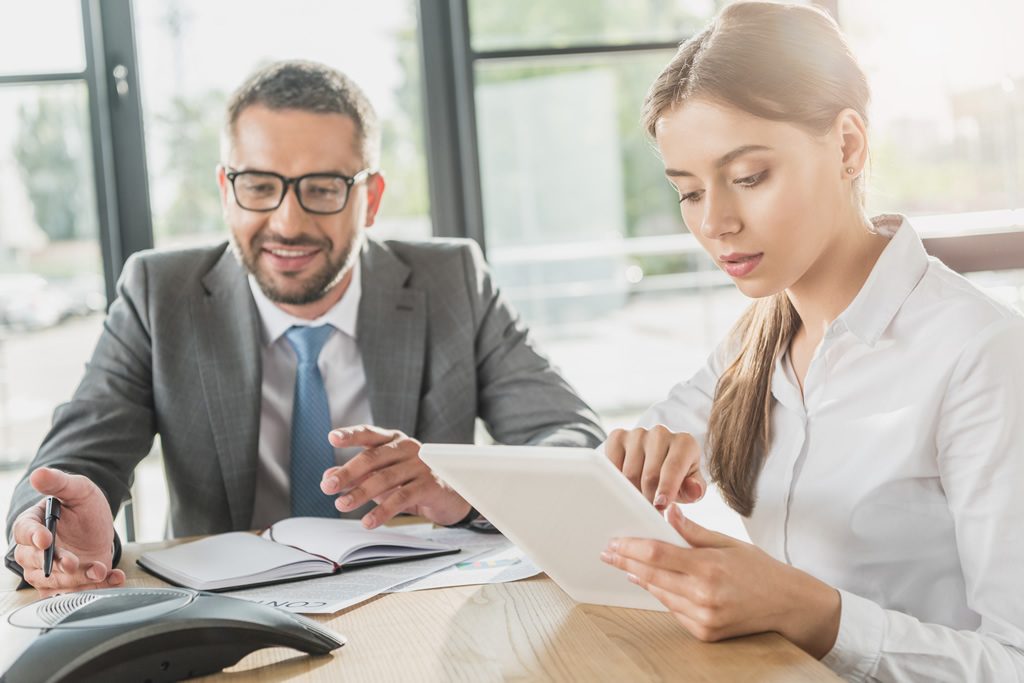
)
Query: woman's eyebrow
[{"x": 724, "y": 160}]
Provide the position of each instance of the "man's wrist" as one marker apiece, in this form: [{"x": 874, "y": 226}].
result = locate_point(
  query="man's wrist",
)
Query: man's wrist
[
  {"x": 13, "y": 565},
  {"x": 463, "y": 523}
]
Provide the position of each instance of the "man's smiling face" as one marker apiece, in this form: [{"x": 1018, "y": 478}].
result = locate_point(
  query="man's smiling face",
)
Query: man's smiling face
[{"x": 297, "y": 257}]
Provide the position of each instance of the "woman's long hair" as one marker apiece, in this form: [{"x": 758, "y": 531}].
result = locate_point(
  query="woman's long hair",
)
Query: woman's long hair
[{"x": 784, "y": 63}]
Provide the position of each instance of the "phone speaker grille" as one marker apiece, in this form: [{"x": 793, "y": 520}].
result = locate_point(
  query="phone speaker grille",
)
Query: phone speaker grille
[{"x": 53, "y": 611}]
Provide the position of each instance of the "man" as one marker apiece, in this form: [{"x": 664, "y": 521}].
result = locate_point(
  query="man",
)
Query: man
[{"x": 243, "y": 356}]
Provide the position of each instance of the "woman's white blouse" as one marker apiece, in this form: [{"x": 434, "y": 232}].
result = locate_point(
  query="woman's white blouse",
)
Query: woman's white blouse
[{"x": 898, "y": 477}]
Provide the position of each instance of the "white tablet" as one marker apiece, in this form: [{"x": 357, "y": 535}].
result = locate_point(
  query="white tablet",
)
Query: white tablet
[{"x": 561, "y": 506}]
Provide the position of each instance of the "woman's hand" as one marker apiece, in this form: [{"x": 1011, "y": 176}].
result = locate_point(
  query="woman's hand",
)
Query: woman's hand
[
  {"x": 721, "y": 587},
  {"x": 664, "y": 465}
]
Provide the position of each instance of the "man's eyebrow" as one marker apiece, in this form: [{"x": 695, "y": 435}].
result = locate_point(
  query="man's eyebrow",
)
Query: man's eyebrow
[{"x": 725, "y": 160}]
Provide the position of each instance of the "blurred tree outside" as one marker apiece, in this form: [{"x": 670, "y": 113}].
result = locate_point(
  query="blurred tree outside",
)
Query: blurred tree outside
[
  {"x": 193, "y": 152},
  {"x": 541, "y": 23},
  {"x": 403, "y": 156},
  {"x": 7, "y": 255},
  {"x": 53, "y": 155}
]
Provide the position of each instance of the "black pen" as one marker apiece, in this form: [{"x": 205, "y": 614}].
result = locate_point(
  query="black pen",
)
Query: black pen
[{"x": 52, "y": 515}]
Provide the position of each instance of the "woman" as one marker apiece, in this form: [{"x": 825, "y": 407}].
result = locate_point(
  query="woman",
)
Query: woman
[{"x": 866, "y": 416}]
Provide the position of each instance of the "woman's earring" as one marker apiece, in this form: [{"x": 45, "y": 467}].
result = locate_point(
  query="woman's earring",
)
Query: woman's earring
[{"x": 850, "y": 170}]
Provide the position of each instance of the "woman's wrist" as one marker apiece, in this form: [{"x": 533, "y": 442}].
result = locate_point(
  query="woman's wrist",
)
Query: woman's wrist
[{"x": 812, "y": 622}]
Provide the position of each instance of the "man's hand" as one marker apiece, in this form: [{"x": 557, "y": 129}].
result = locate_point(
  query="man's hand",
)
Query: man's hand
[
  {"x": 85, "y": 536},
  {"x": 389, "y": 472}
]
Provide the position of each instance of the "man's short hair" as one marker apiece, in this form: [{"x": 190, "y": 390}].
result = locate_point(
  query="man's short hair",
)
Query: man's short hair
[{"x": 312, "y": 87}]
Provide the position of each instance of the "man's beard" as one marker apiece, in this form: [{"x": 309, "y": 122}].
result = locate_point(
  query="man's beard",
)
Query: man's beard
[{"x": 316, "y": 286}]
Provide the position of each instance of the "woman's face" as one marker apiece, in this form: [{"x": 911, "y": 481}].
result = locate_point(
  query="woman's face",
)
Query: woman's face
[{"x": 762, "y": 197}]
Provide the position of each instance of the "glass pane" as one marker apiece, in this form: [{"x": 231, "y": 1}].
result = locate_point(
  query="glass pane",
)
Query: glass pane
[
  {"x": 52, "y": 43},
  {"x": 51, "y": 284},
  {"x": 947, "y": 119},
  {"x": 584, "y": 233},
  {"x": 498, "y": 25},
  {"x": 184, "y": 98},
  {"x": 545, "y": 24}
]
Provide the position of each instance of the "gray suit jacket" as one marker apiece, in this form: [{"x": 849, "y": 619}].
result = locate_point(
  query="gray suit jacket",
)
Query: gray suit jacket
[{"x": 179, "y": 356}]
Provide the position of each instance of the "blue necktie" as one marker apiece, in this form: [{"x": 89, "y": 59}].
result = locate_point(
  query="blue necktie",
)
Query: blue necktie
[{"x": 311, "y": 422}]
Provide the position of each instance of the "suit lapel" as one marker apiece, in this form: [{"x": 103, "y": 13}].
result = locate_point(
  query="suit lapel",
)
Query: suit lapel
[
  {"x": 226, "y": 326},
  {"x": 391, "y": 333}
]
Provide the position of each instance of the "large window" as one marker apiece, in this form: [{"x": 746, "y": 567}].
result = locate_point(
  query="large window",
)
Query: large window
[
  {"x": 192, "y": 54},
  {"x": 51, "y": 270}
]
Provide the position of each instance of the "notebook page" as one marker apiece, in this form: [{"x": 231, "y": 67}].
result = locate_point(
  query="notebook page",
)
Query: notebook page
[
  {"x": 340, "y": 539},
  {"x": 234, "y": 555}
]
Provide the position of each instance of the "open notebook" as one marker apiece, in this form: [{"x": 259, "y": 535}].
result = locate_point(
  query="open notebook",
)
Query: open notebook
[{"x": 295, "y": 548}]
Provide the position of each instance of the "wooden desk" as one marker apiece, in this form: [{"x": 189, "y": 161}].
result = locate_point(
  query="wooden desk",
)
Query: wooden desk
[{"x": 529, "y": 630}]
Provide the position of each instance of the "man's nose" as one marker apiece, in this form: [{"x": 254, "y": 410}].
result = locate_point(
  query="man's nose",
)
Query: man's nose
[{"x": 289, "y": 219}]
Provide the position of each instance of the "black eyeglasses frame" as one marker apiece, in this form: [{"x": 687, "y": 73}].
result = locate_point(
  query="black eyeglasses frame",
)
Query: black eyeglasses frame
[{"x": 231, "y": 174}]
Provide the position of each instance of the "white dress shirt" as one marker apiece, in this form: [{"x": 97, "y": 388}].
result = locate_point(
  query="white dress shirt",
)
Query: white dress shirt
[
  {"x": 898, "y": 476},
  {"x": 341, "y": 367}
]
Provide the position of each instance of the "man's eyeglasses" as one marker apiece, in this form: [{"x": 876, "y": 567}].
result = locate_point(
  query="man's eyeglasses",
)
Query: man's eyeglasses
[{"x": 322, "y": 193}]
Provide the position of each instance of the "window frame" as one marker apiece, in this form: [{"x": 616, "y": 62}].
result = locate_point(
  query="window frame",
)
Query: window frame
[{"x": 119, "y": 161}]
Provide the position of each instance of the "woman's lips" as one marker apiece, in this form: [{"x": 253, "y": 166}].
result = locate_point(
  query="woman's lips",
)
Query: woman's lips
[{"x": 740, "y": 265}]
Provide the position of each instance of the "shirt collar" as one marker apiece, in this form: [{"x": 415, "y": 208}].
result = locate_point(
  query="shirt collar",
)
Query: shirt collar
[
  {"x": 899, "y": 268},
  {"x": 342, "y": 315}
]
